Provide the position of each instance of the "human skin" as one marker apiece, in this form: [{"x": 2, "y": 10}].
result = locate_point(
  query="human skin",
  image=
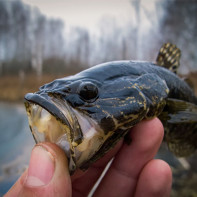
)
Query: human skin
[{"x": 134, "y": 172}]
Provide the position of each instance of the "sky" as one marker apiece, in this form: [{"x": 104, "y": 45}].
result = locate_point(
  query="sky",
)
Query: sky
[
  {"x": 84, "y": 13},
  {"x": 94, "y": 15}
]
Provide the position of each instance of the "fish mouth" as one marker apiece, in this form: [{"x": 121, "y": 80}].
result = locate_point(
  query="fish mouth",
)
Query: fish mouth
[
  {"x": 45, "y": 102},
  {"x": 52, "y": 119}
]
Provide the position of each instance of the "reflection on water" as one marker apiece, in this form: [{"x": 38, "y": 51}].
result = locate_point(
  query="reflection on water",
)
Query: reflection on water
[{"x": 16, "y": 143}]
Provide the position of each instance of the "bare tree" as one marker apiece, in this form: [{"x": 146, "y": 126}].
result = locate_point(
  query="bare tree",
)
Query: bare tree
[
  {"x": 179, "y": 26},
  {"x": 27, "y": 37}
]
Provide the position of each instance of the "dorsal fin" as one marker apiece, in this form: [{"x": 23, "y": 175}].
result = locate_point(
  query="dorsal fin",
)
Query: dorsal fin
[{"x": 169, "y": 57}]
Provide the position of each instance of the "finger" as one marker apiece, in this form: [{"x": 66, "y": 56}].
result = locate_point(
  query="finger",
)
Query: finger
[
  {"x": 155, "y": 180},
  {"x": 16, "y": 188},
  {"x": 47, "y": 174},
  {"x": 82, "y": 182},
  {"x": 130, "y": 160}
]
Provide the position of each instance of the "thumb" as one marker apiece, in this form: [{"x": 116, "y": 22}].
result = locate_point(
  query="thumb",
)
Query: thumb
[{"x": 47, "y": 174}]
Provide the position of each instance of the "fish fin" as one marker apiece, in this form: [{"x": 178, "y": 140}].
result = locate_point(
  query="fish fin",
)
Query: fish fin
[
  {"x": 180, "y": 123},
  {"x": 179, "y": 111},
  {"x": 181, "y": 148},
  {"x": 169, "y": 57}
]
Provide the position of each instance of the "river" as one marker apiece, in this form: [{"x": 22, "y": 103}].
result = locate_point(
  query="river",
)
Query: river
[{"x": 16, "y": 143}]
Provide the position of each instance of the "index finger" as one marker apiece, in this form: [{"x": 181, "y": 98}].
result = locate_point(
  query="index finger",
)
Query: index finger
[{"x": 130, "y": 160}]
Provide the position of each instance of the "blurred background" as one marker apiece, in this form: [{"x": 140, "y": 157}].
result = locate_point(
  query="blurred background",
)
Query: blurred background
[{"x": 41, "y": 40}]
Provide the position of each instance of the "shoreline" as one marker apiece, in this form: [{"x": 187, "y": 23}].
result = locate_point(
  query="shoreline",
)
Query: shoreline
[{"x": 14, "y": 88}]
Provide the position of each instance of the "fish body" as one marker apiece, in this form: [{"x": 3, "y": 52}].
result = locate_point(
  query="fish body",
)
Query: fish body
[{"x": 86, "y": 114}]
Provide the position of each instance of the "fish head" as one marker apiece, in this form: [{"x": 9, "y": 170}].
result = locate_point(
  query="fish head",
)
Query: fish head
[{"x": 81, "y": 113}]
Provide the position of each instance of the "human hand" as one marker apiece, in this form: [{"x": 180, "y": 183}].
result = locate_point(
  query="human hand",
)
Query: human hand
[{"x": 133, "y": 172}]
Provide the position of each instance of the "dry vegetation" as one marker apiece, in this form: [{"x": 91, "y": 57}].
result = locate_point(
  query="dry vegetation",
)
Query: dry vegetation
[
  {"x": 193, "y": 79},
  {"x": 12, "y": 88}
]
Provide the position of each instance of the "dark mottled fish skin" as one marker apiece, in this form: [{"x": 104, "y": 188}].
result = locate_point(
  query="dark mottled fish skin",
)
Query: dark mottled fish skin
[{"x": 114, "y": 71}]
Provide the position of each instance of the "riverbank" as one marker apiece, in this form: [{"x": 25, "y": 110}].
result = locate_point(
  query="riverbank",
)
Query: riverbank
[{"x": 13, "y": 88}]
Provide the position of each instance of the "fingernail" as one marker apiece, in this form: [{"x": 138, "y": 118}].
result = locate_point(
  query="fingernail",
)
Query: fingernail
[{"x": 41, "y": 167}]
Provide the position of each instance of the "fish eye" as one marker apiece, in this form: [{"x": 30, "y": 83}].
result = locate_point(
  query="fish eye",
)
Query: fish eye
[{"x": 88, "y": 91}]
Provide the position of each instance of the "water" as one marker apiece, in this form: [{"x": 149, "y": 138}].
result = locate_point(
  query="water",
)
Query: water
[{"x": 16, "y": 143}]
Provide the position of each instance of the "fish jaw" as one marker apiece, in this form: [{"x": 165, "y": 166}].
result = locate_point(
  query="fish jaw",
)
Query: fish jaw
[
  {"x": 49, "y": 124},
  {"x": 54, "y": 120}
]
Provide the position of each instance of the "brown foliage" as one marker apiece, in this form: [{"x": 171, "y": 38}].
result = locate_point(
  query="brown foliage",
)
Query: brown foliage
[{"x": 13, "y": 88}]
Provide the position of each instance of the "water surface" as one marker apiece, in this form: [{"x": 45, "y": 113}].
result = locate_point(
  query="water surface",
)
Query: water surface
[{"x": 16, "y": 143}]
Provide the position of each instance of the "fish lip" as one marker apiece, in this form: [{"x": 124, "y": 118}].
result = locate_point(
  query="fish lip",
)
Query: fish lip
[
  {"x": 48, "y": 102},
  {"x": 43, "y": 100}
]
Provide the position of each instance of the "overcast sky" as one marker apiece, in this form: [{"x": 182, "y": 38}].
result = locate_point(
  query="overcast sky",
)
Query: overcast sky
[{"x": 85, "y": 13}]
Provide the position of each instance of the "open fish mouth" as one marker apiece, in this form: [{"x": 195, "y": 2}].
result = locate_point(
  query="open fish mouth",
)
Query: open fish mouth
[{"x": 53, "y": 120}]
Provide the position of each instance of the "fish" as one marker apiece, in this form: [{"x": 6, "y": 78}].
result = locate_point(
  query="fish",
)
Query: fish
[{"x": 88, "y": 113}]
